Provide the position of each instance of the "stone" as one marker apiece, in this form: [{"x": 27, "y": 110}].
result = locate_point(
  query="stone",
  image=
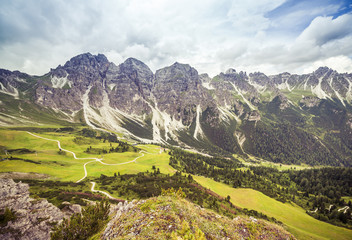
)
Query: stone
[{"x": 34, "y": 218}]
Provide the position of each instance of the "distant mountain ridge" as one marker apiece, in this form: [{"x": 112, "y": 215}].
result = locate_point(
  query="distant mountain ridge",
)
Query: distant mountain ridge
[{"x": 297, "y": 118}]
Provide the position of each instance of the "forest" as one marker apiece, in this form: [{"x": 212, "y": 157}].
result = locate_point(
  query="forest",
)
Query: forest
[
  {"x": 321, "y": 191},
  {"x": 288, "y": 144},
  {"x": 137, "y": 186}
]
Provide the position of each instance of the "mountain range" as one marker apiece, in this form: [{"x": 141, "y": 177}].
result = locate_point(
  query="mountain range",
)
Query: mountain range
[{"x": 283, "y": 118}]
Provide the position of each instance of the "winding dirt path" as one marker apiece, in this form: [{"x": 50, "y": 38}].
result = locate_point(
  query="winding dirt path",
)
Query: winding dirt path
[
  {"x": 98, "y": 191},
  {"x": 100, "y": 160},
  {"x": 344, "y": 209},
  {"x": 59, "y": 145},
  {"x": 93, "y": 160}
]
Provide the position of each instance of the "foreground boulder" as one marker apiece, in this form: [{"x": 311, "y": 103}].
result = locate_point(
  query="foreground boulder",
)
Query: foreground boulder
[{"x": 33, "y": 218}]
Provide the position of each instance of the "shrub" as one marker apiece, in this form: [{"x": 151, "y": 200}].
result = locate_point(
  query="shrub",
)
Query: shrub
[
  {"x": 172, "y": 192},
  {"x": 9, "y": 215},
  {"x": 83, "y": 225}
]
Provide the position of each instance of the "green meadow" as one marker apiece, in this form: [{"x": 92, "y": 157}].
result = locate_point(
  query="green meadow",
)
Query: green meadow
[
  {"x": 255, "y": 161},
  {"x": 294, "y": 217},
  {"x": 64, "y": 167},
  {"x": 46, "y": 159}
]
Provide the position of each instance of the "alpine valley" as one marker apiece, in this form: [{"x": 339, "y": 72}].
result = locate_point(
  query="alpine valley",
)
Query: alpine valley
[{"x": 92, "y": 150}]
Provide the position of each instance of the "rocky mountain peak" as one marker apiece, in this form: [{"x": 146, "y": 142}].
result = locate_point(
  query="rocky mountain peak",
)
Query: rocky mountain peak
[
  {"x": 230, "y": 71},
  {"x": 135, "y": 68},
  {"x": 83, "y": 68},
  {"x": 184, "y": 68},
  {"x": 259, "y": 78},
  {"x": 177, "y": 73},
  {"x": 204, "y": 78},
  {"x": 322, "y": 71},
  {"x": 87, "y": 59}
]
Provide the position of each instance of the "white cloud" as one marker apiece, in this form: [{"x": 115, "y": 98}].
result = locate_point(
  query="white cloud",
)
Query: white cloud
[
  {"x": 339, "y": 63},
  {"x": 211, "y": 35},
  {"x": 325, "y": 29}
]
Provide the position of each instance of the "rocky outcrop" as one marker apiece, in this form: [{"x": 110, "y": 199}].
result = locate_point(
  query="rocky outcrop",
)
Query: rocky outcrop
[
  {"x": 69, "y": 209},
  {"x": 34, "y": 218},
  {"x": 116, "y": 212},
  {"x": 176, "y": 218},
  {"x": 253, "y": 116},
  {"x": 281, "y": 102},
  {"x": 309, "y": 102}
]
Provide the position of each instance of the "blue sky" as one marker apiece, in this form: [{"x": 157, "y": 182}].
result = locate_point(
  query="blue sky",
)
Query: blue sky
[{"x": 270, "y": 36}]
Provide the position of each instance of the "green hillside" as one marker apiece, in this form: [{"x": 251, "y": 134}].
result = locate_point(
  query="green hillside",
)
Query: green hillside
[{"x": 299, "y": 223}]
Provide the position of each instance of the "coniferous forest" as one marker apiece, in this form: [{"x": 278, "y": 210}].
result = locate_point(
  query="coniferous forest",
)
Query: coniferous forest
[{"x": 325, "y": 193}]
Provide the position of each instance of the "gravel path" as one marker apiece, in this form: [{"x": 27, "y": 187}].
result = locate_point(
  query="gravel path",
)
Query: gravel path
[{"x": 93, "y": 160}]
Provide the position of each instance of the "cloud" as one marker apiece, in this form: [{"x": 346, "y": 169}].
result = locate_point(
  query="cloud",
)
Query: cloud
[
  {"x": 325, "y": 29},
  {"x": 211, "y": 35},
  {"x": 339, "y": 63},
  {"x": 295, "y": 15}
]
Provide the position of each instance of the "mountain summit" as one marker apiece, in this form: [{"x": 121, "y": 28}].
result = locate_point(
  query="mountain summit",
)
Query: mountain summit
[{"x": 285, "y": 118}]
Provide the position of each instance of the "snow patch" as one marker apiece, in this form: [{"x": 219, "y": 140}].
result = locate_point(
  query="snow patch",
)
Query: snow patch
[
  {"x": 244, "y": 99},
  {"x": 226, "y": 114},
  {"x": 257, "y": 86},
  {"x": 162, "y": 120},
  {"x": 10, "y": 90},
  {"x": 318, "y": 91},
  {"x": 336, "y": 93},
  {"x": 198, "y": 130},
  {"x": 285, "y": 85},
  {"x": 207, "y": 86},
  {"x": 111, "y": 86},
  {"x": 349, "y": 92},
  {"x": 241, "y": 138},
  {"x": 136, "y": 97},
  {"x": 108, "y": 118},
  {"x": 305, "y": 83},
  {"x": 60, "y": 82}
]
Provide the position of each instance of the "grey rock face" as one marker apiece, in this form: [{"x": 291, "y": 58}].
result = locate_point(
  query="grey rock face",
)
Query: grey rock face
[
  {"x": 253, "y": 116},
  {"x": 11, "y": 83},
  {"x": 132, "y": 98},
  {"x": 116, "y": 212},
  {"x": 64, "y": 99},
  {"x": 309, "y": 102},
  {"x": 34, "y": 217},
  {"x": 132, "y": 87},
  {"x": 86, "y": 68},
  {"x": 178, "y": 90},
  {"x": 62, "y": 88},
  {"x": 129, "y": 86}
]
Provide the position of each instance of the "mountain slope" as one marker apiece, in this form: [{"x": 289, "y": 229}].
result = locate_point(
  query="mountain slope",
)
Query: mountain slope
[{"x": 284, "y": 118}]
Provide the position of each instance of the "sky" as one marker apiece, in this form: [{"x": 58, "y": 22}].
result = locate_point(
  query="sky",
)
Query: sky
[{"x": 270, "y": 36}]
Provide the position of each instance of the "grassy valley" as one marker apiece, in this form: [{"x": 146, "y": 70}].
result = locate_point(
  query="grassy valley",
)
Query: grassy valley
[{"x": 127, "y": 170}]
